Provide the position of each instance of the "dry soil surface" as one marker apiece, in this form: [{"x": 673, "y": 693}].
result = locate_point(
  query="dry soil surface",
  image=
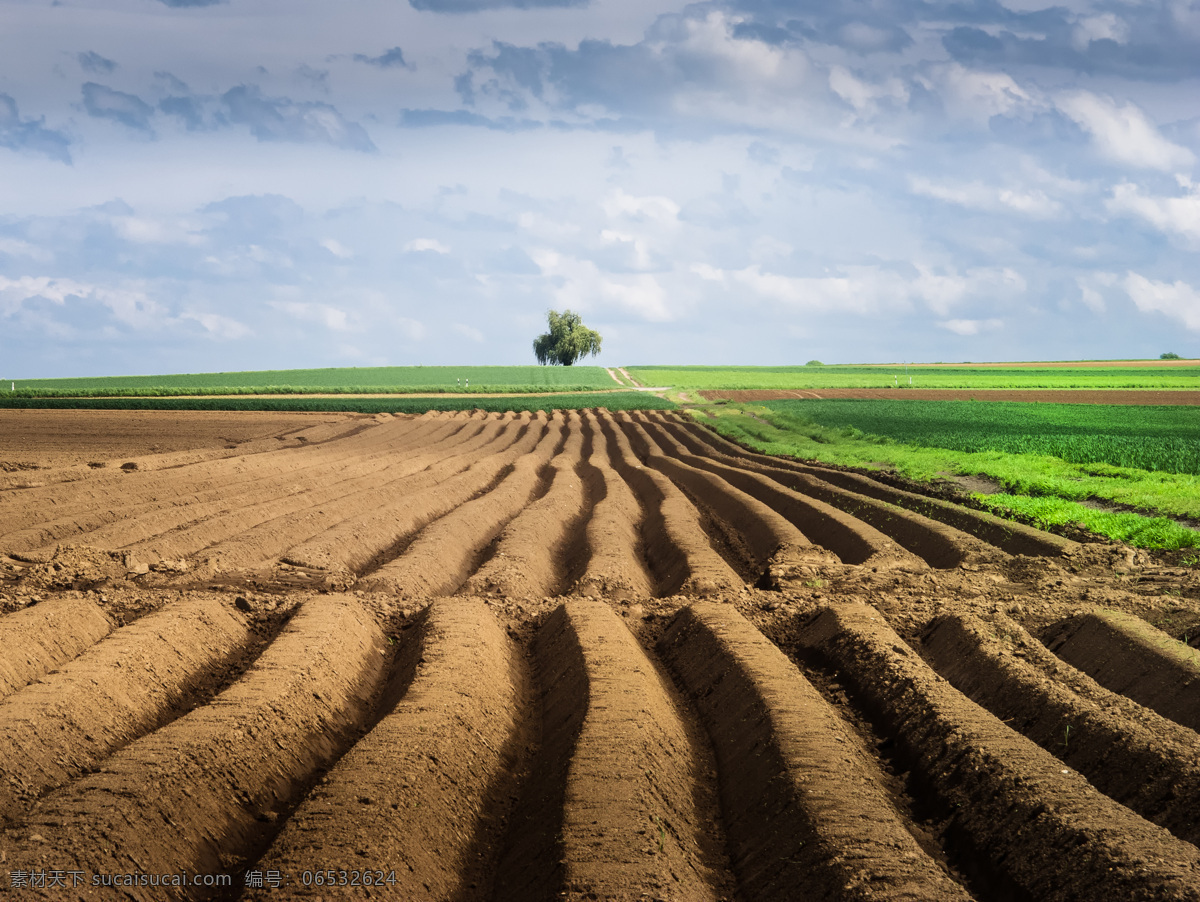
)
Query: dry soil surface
[{"x": 586, "y": 656}]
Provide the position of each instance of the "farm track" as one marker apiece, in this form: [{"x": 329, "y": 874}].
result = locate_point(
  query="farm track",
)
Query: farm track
[{"x": 579, "y": 656}]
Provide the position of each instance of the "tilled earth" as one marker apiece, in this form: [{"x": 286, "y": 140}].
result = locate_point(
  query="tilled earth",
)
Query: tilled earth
[{"x": 581, "y": 656}]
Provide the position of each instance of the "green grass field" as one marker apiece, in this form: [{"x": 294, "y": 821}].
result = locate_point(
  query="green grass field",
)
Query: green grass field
[
  {"x": 1035, "y": 480},
  {"x": 737, "y": 378},
  {"x": 346, "y": 380},
  {"x": 618, "y": 400},
  {"x": 1163, "y": 439}
]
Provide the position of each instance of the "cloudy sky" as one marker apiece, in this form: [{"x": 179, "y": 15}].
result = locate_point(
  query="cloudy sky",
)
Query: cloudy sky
[{"x": 190, "y": 185}]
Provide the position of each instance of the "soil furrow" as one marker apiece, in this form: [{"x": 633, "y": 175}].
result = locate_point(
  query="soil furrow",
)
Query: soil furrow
[
  {"x": 1127, "y": 655},
  {"x": 938, "y": 544},
  {"x": 419, "y": 796},
  {"x": 679, "y": 554},
  {"x": 807, "y": 813},
  {"x": 71, "y": 428},
  {"x": 45, "y": 636},
  {"x": 834, "y": 531},
  {"x": 1013, "y": 808},
  {"x": 446, "y": 552},
  {"x": 1015, "y": 538},
  {"x": 254, "y": 533},
  {"x": 611, "y": 812},
  {"x": 615, "y": 569},
  {"x": 136, "y": 495},
  {"x": 531, "y": 555},
  {"x": 1149, "y": 764},
  {"x": 356, "y": 543},
  {"x": 219, "y": 774},
  {"x": 755, "y": 531},
  {"x": 121, "y": 688},
  {"x": 204, "y": 496}
]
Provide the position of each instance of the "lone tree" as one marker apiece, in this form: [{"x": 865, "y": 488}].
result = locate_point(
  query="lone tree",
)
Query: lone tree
[{"x": 567, "y": 341}]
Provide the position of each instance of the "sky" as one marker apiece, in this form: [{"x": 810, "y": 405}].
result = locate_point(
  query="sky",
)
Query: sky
[{"x": 213, "y": 185}]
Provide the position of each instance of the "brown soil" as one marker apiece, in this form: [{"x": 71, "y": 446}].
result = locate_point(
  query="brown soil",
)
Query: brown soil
[
  {"x": 1055, "y": 396},
  {"x": 519, "y": 694}
]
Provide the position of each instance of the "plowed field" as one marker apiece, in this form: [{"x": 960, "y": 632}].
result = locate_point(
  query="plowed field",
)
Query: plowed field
[{"x": 581, "y": 656}]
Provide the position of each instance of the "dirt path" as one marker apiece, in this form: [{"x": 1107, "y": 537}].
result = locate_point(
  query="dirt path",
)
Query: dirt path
[{"x": 587, "y": 656}]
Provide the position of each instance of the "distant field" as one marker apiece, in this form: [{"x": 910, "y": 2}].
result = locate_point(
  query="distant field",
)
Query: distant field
[
  {"x": 343, "y": 380},
  {"x": 1158, "y": 439},
  {"x": 1057, "y": 376},
  {"x": 618, "y": 400}
]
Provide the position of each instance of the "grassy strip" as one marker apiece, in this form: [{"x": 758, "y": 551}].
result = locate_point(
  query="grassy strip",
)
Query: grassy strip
[
  {"x": 1165, "y": 438},
  {"x": 632, "y": 400},
  {"x": 175, "y": 392},
  {"x": 1133, "y": 529},
  {"x": 737, "y": 378},
  {"x": 781, "y": 433},
  {"x": 355, "y": 380}
]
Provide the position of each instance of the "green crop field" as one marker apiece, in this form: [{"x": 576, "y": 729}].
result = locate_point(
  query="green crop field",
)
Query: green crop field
[
  {"x": 1038, "y": 487},
  {"x": 737, "y": 378},
  {"x": 1163, "y": 439},
  {"x": 618, "y": 400},
  {"x": 344, "y": 380}
]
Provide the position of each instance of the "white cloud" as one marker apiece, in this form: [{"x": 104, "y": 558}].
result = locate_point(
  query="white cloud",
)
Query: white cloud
[
  {"x": 330, "y": 317},
  {"x": 866, "y": 290},
  {"x": 971, "y": 326},
  {"x": 417, "y": 245},
  {"x": 976, "y": 195},
  {"x": 219, "y": 327},
  {"x": 336, "y": 248},
  {"x": 977, "y": 95},
  {"x": 862, "y": 95},
  {"x": 1105, "y": 26},
  {"x": 14, "y": 247},
  {"x": 1179, "y": 215},
  {"x": 1177, "y": 300},
  {"x": 653, "y": 208},
  {"x": 1123, "y": 133},
  {"x": 582, "y": 286},
  {"x": 129, "y": 305}
]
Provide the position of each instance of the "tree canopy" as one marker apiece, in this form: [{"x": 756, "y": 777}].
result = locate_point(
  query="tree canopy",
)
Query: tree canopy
[{"x": 567, "y": 341}]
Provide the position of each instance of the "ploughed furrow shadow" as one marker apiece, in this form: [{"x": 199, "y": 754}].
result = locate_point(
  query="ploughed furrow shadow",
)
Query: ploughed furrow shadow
[
  {"x": 838, "y": 536},
  {"x": 140, "y": 504},
  {"x": 531, "y": 557},
  {"x": 419, "y": 797},
  {"x": 938, "y": 544},
  {"x": 1020, "y": 822},
  {"x": 616, "y": 568},
  {"x": 126, "y": 685},
  {"x": 1126, "y": 654},
  {"x": 679, "y": 554},
  {"x": 1008, "y": 535},
  {"x": 750, "y": 533},
  {"x": 446, "y": 552},
  {"x": 49, "y": 634},
  {"x": 374, "y": 531},
  {"x": 610, "y": 809},
  {"x": 256, "y": 534},
  {"x": 807, "y": 813},
  {"x": 1128, "y": 752},
  {"x": 216, "y": 771},
  {"x": 851, "y": 539}
]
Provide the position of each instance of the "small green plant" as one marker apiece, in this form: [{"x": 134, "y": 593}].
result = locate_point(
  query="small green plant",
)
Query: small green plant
[
  {"x": 662, "y": 834},
  {"x": 814, "y": 583},
  {"x": 1066, "y": 737}
]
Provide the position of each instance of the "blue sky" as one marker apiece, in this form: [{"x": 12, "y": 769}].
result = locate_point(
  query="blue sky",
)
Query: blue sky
[{"x": 189, "y": 185}]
